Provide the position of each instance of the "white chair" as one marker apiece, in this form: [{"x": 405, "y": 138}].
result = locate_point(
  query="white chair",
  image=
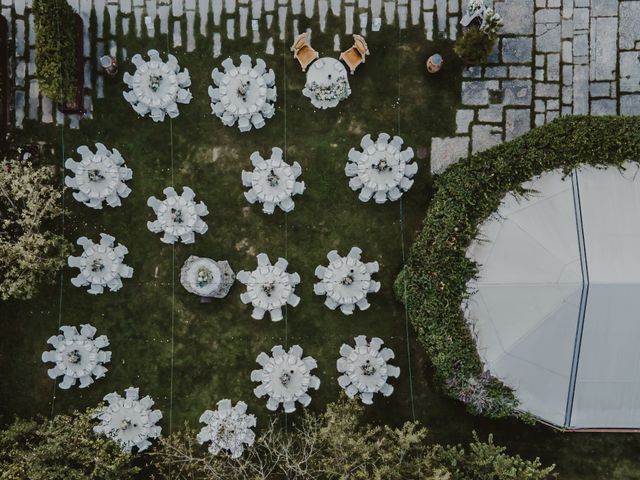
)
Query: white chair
[
  {"x": 188, "y": 238},
  {"x": 268, "y": 110},
  {"x": 333, "y": 256},
  {"x": 96, "y": 289},
  {"x": 73, "y": 262},
  {"x": 157, "y": 115},
  {"x": 380, "y": 197},
  {"x": 268, "y": 207},
  {"x": 394, "y": 194},
  {"x": 216, "y": 76},
  {"x": 184, "y": 96},
  {"x": 298, "y": 188},
  {"x": 129, "y": 96},
  {"x": 347, "y": 309},
  {"x": 243, "y": 124},
  {"x": 256, "y": 159},
  {"x": 228, "y": 64},
  {"x": 141, "y": 109},
  {"x": 247, "y": 178},
  {"x": 406, "y": 183},
  {"x": 260, "y": 66},
  {"x": 217, "y": 108},
  {"x": 366, "y": 142},
  {"x": 383, "y": 138},
  {"x": 251, "y": 196},
  {"x": 245, "y": 61},
  {"x": 228, "y": 119},
  {"x": 287, "y": 205},
  {"x": 128, "y": 79},
  {"x": 257, "y": 120},
  {"x": 396, "y": 142},
  {"x": 214, "y": 93},
  {"x": 407, "y": 154},
  {"x": 410, "y": 169},
  {"x": 276, "y": 314},
  {"x": 172, "y": 63},
  {"x": 172, "y": 110},
  {"x": 113, "y": 201},
  {"x": 137, "y": 60},
  {"x": 365, "y": 194},
  {"x": 270, "y": 78},
  {"x": 276, "y": 153},
  {"x": 351, "y": 169},
  {"x": 154, "y": 56},
  {"x": 184, "y": 80}
]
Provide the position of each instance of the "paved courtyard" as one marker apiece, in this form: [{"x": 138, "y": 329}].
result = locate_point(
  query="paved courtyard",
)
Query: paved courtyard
[{"x": 554, "y": 57}]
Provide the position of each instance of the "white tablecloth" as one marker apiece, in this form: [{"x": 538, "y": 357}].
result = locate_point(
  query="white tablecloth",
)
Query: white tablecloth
[{"x": 325, "y": 72}]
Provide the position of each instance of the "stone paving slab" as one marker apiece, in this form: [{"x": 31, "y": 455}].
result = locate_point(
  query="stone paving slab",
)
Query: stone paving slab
[{"x": 561, "y": 57}]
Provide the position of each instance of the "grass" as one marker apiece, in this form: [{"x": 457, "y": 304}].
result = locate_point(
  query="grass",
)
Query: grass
[{"x": 188, "y": 355}]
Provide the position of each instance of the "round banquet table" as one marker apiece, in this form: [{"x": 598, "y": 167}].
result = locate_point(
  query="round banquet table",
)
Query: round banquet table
[{"x": 167, "y": 90}]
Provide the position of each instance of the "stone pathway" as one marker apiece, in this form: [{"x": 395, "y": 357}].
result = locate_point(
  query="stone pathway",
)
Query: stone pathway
[
  {"x": 554, "y": 57},
  {"x": 188, "y": 22}
]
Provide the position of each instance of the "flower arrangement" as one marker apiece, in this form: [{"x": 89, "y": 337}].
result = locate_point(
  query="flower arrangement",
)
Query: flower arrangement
[
  {"x": 491, "y": 23},
  {"x": 203, "y": 277},
  {"x": 338, "y": 90}
]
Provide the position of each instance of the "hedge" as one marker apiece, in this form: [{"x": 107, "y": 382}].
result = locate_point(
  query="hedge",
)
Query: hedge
[
  {"x": 433, "y": 282},
  {"x": 56, "y": 49}
]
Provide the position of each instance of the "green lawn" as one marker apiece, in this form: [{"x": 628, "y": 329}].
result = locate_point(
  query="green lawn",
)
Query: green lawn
[{"x": 188, "y": 355}]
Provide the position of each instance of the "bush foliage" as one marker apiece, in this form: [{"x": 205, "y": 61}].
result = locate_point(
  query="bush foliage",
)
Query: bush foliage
[
  {"x": 433, "y": 282},
  {"x": 474, "y": 46},
  {"x": 63, "y": 448},
  {"x": 56, "y": 49},
  {"x": 337, "y": 445},
  {"x": 30, "y": 202}
]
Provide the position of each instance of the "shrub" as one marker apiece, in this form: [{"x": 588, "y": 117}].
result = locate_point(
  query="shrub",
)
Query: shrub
[
  {"x": 63, "y": 448},
  {"x": 337, "y": 445},
  {"x": 56, "y": 49},
  {"x": 433, "y": 282},
  {"x": 29, "y": 203},
  {"x": 474, "y": 47}
]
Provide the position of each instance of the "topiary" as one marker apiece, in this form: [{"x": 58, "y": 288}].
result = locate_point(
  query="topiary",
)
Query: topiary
[
  {"x": 56, "y": 49},
  {"x": 474, "y": 46}
]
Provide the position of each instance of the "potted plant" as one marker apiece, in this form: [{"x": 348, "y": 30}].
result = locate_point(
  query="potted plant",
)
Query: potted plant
[{"x": 481, "y": 34}]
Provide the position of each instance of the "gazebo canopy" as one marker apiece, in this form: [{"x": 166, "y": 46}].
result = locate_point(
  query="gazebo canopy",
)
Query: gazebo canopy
[{"x": 556, "y": 304}]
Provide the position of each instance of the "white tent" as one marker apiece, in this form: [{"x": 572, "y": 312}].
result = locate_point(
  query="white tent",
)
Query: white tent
[{"x": 556, "y": 305}]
